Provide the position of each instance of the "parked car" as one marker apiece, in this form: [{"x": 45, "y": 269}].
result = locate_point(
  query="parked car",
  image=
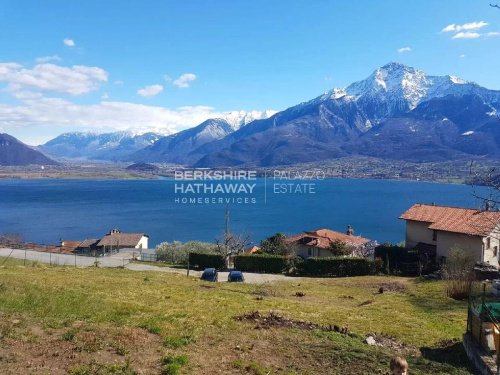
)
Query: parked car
[
  {"x": 209, "y": 274},
  {"x": 235, "y": 276}
]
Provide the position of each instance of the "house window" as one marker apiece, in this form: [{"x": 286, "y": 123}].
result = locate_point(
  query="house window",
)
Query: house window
[
  {"x": 309, "y": 252},
  {"x": 434, "y": 235},
  {"x": 495, "y": 251},
  {"x": 488, "y": 243}
]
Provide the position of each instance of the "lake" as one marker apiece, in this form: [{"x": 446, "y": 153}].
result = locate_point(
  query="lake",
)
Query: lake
[{"x": 45, "y": 211}]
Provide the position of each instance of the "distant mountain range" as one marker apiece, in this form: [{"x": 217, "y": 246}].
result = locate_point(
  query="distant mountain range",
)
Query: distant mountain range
[
  {"x": 14, "y": 152},
  {"x": 106, "y": 146},
  {"x": 398, "y": 112}
]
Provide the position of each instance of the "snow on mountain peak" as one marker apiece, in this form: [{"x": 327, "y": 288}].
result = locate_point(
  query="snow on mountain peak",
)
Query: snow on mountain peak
[
  {"x": 237, "y": 119},
  {"x": 396, "y": 82}
]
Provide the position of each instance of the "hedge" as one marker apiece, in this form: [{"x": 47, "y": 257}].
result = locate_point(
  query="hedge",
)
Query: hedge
[
  {"x": 336, "y": 266},
  {"x": 203, "y": 260},
  {"x": 393, "y": 256},
  {"x": 264, "y": 263}
]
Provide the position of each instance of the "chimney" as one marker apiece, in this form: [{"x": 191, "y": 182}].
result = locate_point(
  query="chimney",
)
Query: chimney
[{"x": 488, "y": 205}]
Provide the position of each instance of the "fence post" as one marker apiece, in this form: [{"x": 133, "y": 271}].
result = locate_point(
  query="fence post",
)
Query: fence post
[
  {"x": 25, "y": 255},
  {"x": 75, "y": 260},
  {"x": 50, "y": 257}
]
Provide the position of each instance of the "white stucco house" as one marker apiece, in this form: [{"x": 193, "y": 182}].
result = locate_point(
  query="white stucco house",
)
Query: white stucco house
[{"x": 440, "y": 228}]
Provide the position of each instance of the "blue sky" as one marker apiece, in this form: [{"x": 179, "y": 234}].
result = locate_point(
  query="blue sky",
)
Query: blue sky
[{"x": 83, "y": 65}]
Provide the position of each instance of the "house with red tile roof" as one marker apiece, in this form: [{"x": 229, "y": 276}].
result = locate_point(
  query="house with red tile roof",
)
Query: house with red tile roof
[
  {"x": 437, "y": 229},
  {"x": 316, "y": 243},
  {"x": 116, "y": 240}
]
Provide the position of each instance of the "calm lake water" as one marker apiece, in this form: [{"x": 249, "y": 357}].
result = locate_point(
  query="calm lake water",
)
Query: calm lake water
[{"x": 44, "y": 211}]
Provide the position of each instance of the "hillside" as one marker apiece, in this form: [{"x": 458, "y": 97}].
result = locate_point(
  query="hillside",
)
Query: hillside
[
  {"x": 117, "y": 321},
  {"x": 14, "y": 153}
]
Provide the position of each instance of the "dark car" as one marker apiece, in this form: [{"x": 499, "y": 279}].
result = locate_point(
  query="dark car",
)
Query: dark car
[
  {"x": 209, "y": 274},
  {"x": 235, "y": 277}
]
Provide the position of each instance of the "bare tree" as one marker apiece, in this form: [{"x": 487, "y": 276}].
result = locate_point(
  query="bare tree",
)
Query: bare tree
[
  {"x": 486, "y": 188},
  {"x": 230, "y": 244},
  {"x": 495, "y": 6}
]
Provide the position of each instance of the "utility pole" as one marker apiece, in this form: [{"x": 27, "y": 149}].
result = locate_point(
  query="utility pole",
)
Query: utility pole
[{"x": 226, "y": 235}]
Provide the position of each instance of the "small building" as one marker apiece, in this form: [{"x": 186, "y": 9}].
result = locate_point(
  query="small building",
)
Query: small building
[
  {"x": 438, "y": 229},
  {"x": 116, "y": 240},
  {"x": 68, "y": 246},
  {"x": 316, "y": 243},
  {"x": 87, "y": 246},
  {"x": 252, "y": 250}
]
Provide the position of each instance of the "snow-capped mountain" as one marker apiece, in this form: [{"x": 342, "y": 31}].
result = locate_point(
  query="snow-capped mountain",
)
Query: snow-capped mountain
[
  {"x": 397, "y": 112},
  {"x": 185, "y": 146},
  {"x": 237, "y": 119},
  {"x": 397, "y": 88},
  {"x": 105, "y": 146}
]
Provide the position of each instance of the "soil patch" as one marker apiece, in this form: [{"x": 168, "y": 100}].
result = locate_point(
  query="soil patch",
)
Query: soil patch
[{"x": 273, "y": 320}]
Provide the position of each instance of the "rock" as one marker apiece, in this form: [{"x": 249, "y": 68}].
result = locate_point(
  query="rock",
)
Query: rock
[{"x": 370, "y": 340}]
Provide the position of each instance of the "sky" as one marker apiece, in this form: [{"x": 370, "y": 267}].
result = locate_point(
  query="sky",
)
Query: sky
[{"x": 168, "y": 65}]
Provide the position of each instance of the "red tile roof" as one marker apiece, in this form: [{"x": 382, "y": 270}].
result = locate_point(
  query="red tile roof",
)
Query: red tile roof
[
  {"x": 322, "y": 238},
  {"x": 121, "y": 239},
  {"x": 454, "y": 219}
]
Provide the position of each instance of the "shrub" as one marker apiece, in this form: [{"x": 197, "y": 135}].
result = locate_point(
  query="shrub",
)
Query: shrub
[
  {"x": 340, "y": 248},
  {"x": 337, "y": 266},
  {"x": 202, "y": 261},
  {"x": 458, "y": 273},
  {"x": 276, "y": 245},
  {"x": 264, "y": 263},
  {"x": 172, "y": 364},
  {"x": 178, "y": 252}
]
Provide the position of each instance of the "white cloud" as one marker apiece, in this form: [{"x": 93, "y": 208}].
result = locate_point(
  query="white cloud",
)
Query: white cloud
[
  {"x": 75, "y": 80},
  {"x": 466, "y": 35},
  {"x": 184, "y": 80},
  {"x": 151, "y": 90},
  {"x": 69, "y": 42},
  {"x": 56, "y": 115},
  {"x": 118, "y": 82},
  {"x": 462, "y": 56},
  {"x": 492, "y": 33},
  {"x": 46, "y": 59},
  {"x": 404, "y": 49},
  {"x": 466, "y": 26}
]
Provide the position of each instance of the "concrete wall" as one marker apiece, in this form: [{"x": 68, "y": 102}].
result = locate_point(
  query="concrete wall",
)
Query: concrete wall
[
  {"x": 307, "y": 252},
  {"x": 472, "y": 245},
  {"x": 143, "y": 243},
  {"x": 491, "y": 252},
  {"x": 417, "y": 231}
]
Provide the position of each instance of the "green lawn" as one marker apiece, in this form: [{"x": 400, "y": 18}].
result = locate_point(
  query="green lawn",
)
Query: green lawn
[{"x": 56, "y": 320}]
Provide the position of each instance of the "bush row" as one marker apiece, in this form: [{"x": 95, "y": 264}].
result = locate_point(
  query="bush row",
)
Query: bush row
[
  {"x": 336, "y": 266},
  {"x": 314, "y": 266},
  {"x": 264, "y": 263},
  {"x": 202, "y": 261}
]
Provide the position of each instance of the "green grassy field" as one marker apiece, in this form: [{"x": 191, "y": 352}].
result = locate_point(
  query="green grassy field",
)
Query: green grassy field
[{"x": 56, "y": 320}]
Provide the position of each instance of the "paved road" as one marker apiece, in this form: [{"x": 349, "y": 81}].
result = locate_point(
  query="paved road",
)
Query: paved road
[{"x": 123, "y": 260}]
